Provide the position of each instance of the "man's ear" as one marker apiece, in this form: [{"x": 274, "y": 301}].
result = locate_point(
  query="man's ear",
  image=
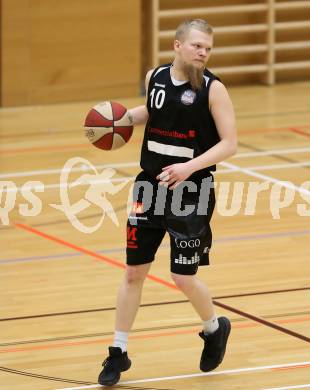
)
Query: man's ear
[{"x": 176, "y": 44}]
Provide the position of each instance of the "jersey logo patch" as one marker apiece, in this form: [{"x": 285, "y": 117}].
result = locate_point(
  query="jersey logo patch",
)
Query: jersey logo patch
[{"x": 188, "y": 97}]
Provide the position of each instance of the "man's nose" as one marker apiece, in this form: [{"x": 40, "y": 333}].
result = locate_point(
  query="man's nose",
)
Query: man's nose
[{"x": 202, "y": 52}]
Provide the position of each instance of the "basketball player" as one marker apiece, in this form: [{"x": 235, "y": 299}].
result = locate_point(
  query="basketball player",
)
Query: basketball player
[{"x": 190, "y": 126}]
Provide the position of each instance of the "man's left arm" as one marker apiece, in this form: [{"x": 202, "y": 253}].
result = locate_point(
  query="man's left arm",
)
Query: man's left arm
[{"x": 224, "y": 117}]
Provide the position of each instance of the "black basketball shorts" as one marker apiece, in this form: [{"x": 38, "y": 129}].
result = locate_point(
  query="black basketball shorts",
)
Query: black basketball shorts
[{"x": 183, "y": 213}]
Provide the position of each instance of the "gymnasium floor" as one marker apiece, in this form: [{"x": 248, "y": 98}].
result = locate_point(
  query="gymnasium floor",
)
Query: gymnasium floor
[{"x": 58, "y": 283}]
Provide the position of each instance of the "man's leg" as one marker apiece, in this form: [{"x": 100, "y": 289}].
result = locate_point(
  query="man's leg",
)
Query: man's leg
[
  {"x": 129, "y": 296},
  {"x": 128, "y": 301},
  {"x": 216, "y": 331},
  {"x": 197, "y": 293}
]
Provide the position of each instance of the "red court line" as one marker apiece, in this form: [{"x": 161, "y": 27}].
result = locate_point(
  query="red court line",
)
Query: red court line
[
  {"x": 162, "y": 281},
  {"x": 298, "y": 131},
  {"x": 263, "y": 130},
  {"x": 271, "y": 129},
  {"x": 44, "y": 148},
  {"x": 88, "y": 252},
  {"x": 56, "y": 148},
  {"x": 290, "y": 367},
  {"x": 131, "y": 337}
]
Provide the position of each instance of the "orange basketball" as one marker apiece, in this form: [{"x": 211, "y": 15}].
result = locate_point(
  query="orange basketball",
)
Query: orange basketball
[{"x": 108, "y": 125}]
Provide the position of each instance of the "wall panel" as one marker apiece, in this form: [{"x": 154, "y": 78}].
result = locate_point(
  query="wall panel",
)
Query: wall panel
[{"x": 69, "y": 50}]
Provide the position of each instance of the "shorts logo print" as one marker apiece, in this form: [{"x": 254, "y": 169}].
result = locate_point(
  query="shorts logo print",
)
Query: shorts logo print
[
  {"x": 131, "y": 237},
  {"x": 187, "y": 243},
  {"x": 184, "y": 260}
]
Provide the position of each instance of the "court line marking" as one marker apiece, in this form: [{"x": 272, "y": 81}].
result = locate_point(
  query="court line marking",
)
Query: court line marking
[
  {"x": 231, "y": 168},
  {"x": 60, "y": 256},
  {"x": 83, "y": 168},
  {"x": 125, "y": 178},
  {"x": 159, "y": 280},
  {"x": 307, "y": 385},
  {"x": 271, "y": 152},
  {"x": 136, "y": 163},
  {"x": 146, "y": 335},
  {"x": 237, "y": 323},
  {"x": 267, "y": 178},
  {"x": 277, "y": 166},
  {"x": 214, "y": 373},
  {"x": 58, "y": 148},
  {"x": 42, "y": 187},
  {"x": 299, "y": 131},
  {"x": 270, "y": 129},
  {"x": 271, "y": 114},
  {"x": 43, "y": 149},
  {"x": 88, "y": 252},
  {"x": 262, "y": 321},
  {"x": 39, "y": 376}
]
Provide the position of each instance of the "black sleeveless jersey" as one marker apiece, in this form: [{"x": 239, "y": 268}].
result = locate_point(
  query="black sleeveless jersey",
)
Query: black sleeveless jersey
[{"x": 180, "y": 125}]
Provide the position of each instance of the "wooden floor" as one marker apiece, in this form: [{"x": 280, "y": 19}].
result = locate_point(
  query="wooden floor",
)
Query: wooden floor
[{"x": 58, "y": 284}]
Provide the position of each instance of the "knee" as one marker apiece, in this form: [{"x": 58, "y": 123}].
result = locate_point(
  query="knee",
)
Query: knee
[
  {"x": 135, "y": 274},
  {"x": 183, "y": 282}
]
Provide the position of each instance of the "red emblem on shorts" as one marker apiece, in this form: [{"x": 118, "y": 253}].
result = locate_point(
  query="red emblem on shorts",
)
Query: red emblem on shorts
[{"x": 131, "y": 237}]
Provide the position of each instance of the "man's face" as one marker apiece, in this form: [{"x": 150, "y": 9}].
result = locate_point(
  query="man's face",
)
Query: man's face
[{"x": 195, "y": 49}]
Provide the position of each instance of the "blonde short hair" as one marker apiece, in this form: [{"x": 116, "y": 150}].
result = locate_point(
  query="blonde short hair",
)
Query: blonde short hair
[{"x": 198, "y": 24}]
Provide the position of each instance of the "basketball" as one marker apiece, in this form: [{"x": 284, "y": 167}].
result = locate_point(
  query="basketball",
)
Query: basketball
[{"x": 108, "y": 125}]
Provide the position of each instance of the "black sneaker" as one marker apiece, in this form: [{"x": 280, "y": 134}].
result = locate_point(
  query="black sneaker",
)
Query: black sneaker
[
  {"x": 215, "y": 345},
  {"x": 114, "y": 364}
]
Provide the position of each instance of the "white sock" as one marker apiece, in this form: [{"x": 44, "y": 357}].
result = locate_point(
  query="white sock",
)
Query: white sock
[
  {"x": 121, "y": 340},
  {"x": 211, "y": 325}
]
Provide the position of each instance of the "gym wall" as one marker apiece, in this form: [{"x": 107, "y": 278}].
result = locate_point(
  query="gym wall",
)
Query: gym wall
[
  {"x": 77, "y": 50},
  {"x": 72, "y": 50}
]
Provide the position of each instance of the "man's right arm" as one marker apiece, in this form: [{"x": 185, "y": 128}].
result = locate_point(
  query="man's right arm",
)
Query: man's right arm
[{"x": 140, "y": 114}]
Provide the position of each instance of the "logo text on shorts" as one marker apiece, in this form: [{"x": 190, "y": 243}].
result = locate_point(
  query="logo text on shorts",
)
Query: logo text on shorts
[{"x": 187, "y": 243}]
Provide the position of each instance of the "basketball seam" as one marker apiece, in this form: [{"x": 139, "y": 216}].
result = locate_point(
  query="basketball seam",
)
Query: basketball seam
[
  {"x": 99, "y": 113},
  {"x": 111, "y": 120},
  {"x": 113, "y": 112}
]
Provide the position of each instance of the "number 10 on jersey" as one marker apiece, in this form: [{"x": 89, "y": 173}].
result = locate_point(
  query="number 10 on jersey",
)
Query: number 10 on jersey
[{"x": 157, "y": 98}]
